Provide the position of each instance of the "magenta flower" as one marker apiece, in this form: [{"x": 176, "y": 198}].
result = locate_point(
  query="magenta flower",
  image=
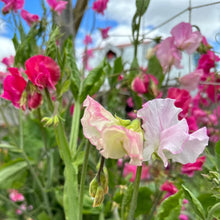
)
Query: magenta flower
[
  {"x": 57, "y": 6},
  {"x": 13, "y": 86},
  {"x": 138, "y": 85},
  {"x": 104, "y": 32},
  {"x": 183, "y": 217},
  {"x": 13, "y": 5},
  {"x": 167, "y": 136},
  {"x": 182, "y": 99},
  {"x": 15, "y": 196},
  {"x": 99, "y": 6},
  {"x": 42, "y": 71},
  {"x": 87, "y": 40},
  {"x": 168, "y": 187},
  {"x": 168, "y": 54},
  {"x": 28, "y": 17},
  {"x": 185, "y": 39},
  {"x": 131, "y": 169},
  {"x": 113, "y": 137},
  {"x": 8, "y": 61},
  {"x": 34, "y": 99},
  {"x": 190, "y": 168},
  {"x": 191, "y": 81}
]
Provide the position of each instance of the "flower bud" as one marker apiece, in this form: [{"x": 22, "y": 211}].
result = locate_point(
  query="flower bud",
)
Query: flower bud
[
  {"x": 56, "y": 121},
  {"x": 93, "y": 187},
  {"x": 104, "y": 182},
  {"x": 99, "y": 197}
]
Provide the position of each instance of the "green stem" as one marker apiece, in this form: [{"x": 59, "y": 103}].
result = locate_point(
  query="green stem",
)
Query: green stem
[
  {"x": 50, "y": 102},
  {"x": 44, "y": 194},
  {"x": 70, "y": 197},
  {"x": 75, "y": 127},
  {"x": 133, "y": 204},
  {"x": 82, "y": 181},
  {"x": 214, "y": 208},
  {"x": 137, "y": 40}
]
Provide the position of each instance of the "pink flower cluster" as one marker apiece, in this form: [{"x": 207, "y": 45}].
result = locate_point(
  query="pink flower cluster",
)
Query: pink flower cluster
[
  {"x": 42, "y": 71},
  {"x": 57, "y": 5},
  {"x": 164, "y": 133},
  {"x": 12, "y": 5},
  {"x": 183, "y": 39}
]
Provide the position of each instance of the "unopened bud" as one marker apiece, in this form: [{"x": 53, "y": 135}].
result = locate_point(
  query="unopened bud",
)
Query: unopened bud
[
  {"x": 104, "y": 182},
  {"x": 56, "y": 121},
  {"x": 99, "y": 197},
  {"x": 93, "y": 187}
]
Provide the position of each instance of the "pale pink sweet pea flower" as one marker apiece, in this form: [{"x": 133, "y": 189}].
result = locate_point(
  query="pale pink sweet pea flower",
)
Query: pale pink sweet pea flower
[
  {"x": 108, "y": 135},
  {"x": 13, "y": 5},
  {"x": 57, "y": 5},
  {"x": 99, "y": 6},
  {"x": 190, "y": 168},
  {"x": 167, "y": 136},
  {"x": 104, "y": 32},
  {"x": 191, "y": 81},
  {"x": 15, "y": 196},
  {"x": 42, "y": 71},
  {"x": 168, "y": 54},
  {"x": 185, "y": 38},
  {"x": 8, "y": 61},
  {"x": 28, "y": 17}
]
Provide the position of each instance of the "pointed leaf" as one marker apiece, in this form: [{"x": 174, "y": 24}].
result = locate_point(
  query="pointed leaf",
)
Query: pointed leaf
[{"x": 142, "y": 6}]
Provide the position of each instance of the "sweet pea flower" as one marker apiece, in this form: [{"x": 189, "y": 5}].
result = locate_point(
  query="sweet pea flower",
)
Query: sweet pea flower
[
  {"x": 15, "y": 196},
  {"x": 138, "y": 85},
  {"x": 190, "y": 168},
  {"x": 13, "y": 5},
  {"x": 168, "y": 187},
  {"x": 167, "y": 136},
  {"x": 131, "y": 169},
  {"x": 168, "y": 54},
  {"x": 99, "y": 6},
  {"x": 185, "y": 39},
  {"x": 28, "y": 17},
  {"x": 87, "y": 40},
  {"x": 8, "y": 61},
  {"x": 182, "y": 99},
  {"x": 183, "y": 217},
  {"x": 191, "y": 81},
  {"x": 57, "y": 6},
  {"x": 104, "y": 32},
  {"x": 42, "y": 71},
  {"x": 113, "y": 137},
  {"x": 13, "y": 86}
]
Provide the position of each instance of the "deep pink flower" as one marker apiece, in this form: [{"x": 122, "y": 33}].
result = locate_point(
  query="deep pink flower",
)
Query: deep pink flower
[
  {"x": 13, "y": 5},
  {"x": 87, "y": 40},
  {"x": 28, "y": 17},
  {"x": 57, "y": 5},
  {"x": 182, "y": 97},
  {"x": 207, "y": 61},
  {"x": 168, "y": 54},
  {"x": 190, "y": 168},
  {"x": 42, "y": 71},
  {"x": 191, "y": 121},
  {"x": 104, "y": 32},
  {"x": 131, "y": 169},
  {"x": 13, "y": 86},
  {"x": 3, "y": 76},
  {"x": 8, "y": 61},
  {"x": 130, "y": 102},
  {"x": 15, "y": 196},
  {"x": 34, "y": 99},
  {"x": 99, "y": 6},
  {"x": 183, "y": 217},
  {"x": 138, "y": 85},
  {"x": 167, "y": 136},
  {"x": 191, "y": 81},
  {"x": 113, "y": 137},
  {"x": 168, "y": 187},
  {"x": 72, "y": 109},
  {"x": 185, "y": 39}
]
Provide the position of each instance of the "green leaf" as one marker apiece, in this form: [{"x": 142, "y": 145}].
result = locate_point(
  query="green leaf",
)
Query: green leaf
[
  {"x": 10, "y": 169},
  {"x": 144, "y": 202},
  {"x": 64, "y": 87},
  {"x": 79, "y": 158},
  {"x": 72, "y": 68},
  {"x": 43, "y": 216},
  {"x": 10, "y": 147},
  {"x": 214, "y": 212},
  {"x": 51, "y": 47},
  {"x": 196, "y": 205},
  {"x": 155, "y": 69},
  {"x": 170, "y": 208},
  {"x": 93, "y": 81},
  {"x": 217, "y": 154},
  {"x": 142, "y": 6}
]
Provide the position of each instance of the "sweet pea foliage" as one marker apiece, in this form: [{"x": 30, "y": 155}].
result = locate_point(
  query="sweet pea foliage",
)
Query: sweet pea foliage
[
  {"x": 167, "y": 136},
  {"x": 113, "y": 137}
]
